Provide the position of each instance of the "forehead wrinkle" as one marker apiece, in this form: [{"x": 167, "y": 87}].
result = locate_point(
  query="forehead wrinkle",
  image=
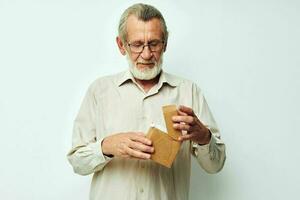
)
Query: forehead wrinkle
[
  {"x": 153, "y": 28},
  {"x": 141, "y": 30}
]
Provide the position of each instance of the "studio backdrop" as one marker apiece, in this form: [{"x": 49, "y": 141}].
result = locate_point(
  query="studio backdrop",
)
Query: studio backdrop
[{"x": 244, "y": 55}]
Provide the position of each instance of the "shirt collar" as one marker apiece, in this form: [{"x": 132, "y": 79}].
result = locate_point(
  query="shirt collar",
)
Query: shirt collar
[
  {"x": 164, "y": 78},
  {"x": 125, "y": 76}
]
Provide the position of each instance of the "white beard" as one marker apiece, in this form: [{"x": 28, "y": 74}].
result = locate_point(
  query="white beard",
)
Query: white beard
[{"x": 145, "y": 73}]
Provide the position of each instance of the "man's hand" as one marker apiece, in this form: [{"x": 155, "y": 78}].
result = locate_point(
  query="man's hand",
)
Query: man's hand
[
  {"x": 188, "y": 121},
  {"x": 128, "y": 145}
]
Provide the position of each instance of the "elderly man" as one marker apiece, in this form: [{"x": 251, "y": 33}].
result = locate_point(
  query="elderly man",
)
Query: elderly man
[{"x": 109, "y": 131}]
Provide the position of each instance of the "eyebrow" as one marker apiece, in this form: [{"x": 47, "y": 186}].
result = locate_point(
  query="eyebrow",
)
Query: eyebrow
[{"x": 142, "y": 42}]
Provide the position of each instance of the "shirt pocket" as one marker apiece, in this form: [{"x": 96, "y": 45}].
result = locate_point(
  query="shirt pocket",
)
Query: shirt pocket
[{"x": 116, "y": 115}]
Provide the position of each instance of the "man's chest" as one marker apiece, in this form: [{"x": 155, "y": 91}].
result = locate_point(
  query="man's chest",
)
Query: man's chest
[{"x": 123, "y": 110}]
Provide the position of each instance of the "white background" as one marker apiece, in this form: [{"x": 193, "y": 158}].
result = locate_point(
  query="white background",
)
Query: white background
[{"x": 243, "y": 54}]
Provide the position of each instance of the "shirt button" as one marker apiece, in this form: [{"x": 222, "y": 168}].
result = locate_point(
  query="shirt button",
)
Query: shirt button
[{"x": 141, "y": 190}]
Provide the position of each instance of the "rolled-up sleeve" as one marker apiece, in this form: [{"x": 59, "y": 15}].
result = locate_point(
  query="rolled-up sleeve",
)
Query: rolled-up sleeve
[
  {"x": 211, "y": 156},
  {"x": 86, "y": 155}
]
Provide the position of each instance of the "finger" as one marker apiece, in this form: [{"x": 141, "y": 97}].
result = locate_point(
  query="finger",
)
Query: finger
[
  {"x": 186, "y": 119},
  {"x": 187, "y": 137},
  {"x": 186, "y": 110},
  {"x": 181, "y": 113},
  {"x": 185, "y": 127},
  {"x": 141, "y": 138},
  {"x": 137, "y": 154},
  {"x": 141, "y": 147},
  {"x": 139, "y": 133}
]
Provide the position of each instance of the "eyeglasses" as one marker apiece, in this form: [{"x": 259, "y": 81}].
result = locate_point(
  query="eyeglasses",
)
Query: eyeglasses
[{"x": 138, "y": 47}]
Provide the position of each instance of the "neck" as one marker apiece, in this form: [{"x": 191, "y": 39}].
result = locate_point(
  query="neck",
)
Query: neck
[{"x": 147, "y": 84}]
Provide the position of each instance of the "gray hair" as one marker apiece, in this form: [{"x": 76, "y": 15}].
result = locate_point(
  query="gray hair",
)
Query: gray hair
[{"x": 145, "y": 13}]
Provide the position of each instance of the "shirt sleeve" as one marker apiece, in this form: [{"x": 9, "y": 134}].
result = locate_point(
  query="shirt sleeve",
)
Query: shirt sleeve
[
  {"x": 211, "y": 156},
  {"x": 86, "y": 155}
]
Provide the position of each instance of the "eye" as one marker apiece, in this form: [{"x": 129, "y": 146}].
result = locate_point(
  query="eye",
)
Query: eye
[
  {"x": 154, "y": 43},
  {"x": 136, "y": 44}
]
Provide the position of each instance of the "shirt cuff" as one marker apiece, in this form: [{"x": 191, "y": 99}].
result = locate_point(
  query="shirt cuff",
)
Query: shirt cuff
[
  {"x": 201, "y": 150},
  {"x": 97, "y": 150}
]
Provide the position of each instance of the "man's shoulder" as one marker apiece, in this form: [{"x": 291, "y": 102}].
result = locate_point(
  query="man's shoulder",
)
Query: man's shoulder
[
  {"x": 109, "y": 78},
  {"x": 106, "y": 82},
  {"x": 179, "y": 81}
]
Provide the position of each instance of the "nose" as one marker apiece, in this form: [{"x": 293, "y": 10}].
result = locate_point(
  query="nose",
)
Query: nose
[{"x": 146, "y": 53}]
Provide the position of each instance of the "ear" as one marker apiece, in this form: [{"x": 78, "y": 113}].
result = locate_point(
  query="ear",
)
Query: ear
[
  {"x": 121, "y": 45},
  {"x": 165, "y": 47}
]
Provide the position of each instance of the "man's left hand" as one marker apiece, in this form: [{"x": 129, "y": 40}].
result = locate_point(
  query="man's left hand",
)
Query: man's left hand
[{"x": 186, "y": 120}]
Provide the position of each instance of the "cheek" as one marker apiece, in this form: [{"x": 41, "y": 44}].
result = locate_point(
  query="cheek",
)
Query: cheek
[
  {"x": 157, "y": 56},
  {"x": 133, "y": 58}
]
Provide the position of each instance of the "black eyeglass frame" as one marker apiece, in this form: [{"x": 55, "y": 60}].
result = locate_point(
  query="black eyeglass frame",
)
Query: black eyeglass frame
[{"x": 142, "y": 46}]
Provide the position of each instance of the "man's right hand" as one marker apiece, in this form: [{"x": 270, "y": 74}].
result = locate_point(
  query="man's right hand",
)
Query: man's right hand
[{"x": 128, "y": 145}]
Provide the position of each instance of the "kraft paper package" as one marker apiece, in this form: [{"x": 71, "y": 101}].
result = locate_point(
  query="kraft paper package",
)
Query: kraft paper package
[
  {"x": 170, "y": 111},
  {"x": 166, "y": 145}
]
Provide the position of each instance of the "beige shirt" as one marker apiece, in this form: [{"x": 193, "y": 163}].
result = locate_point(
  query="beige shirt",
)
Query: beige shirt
[{"x": 115, "y": 104}]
